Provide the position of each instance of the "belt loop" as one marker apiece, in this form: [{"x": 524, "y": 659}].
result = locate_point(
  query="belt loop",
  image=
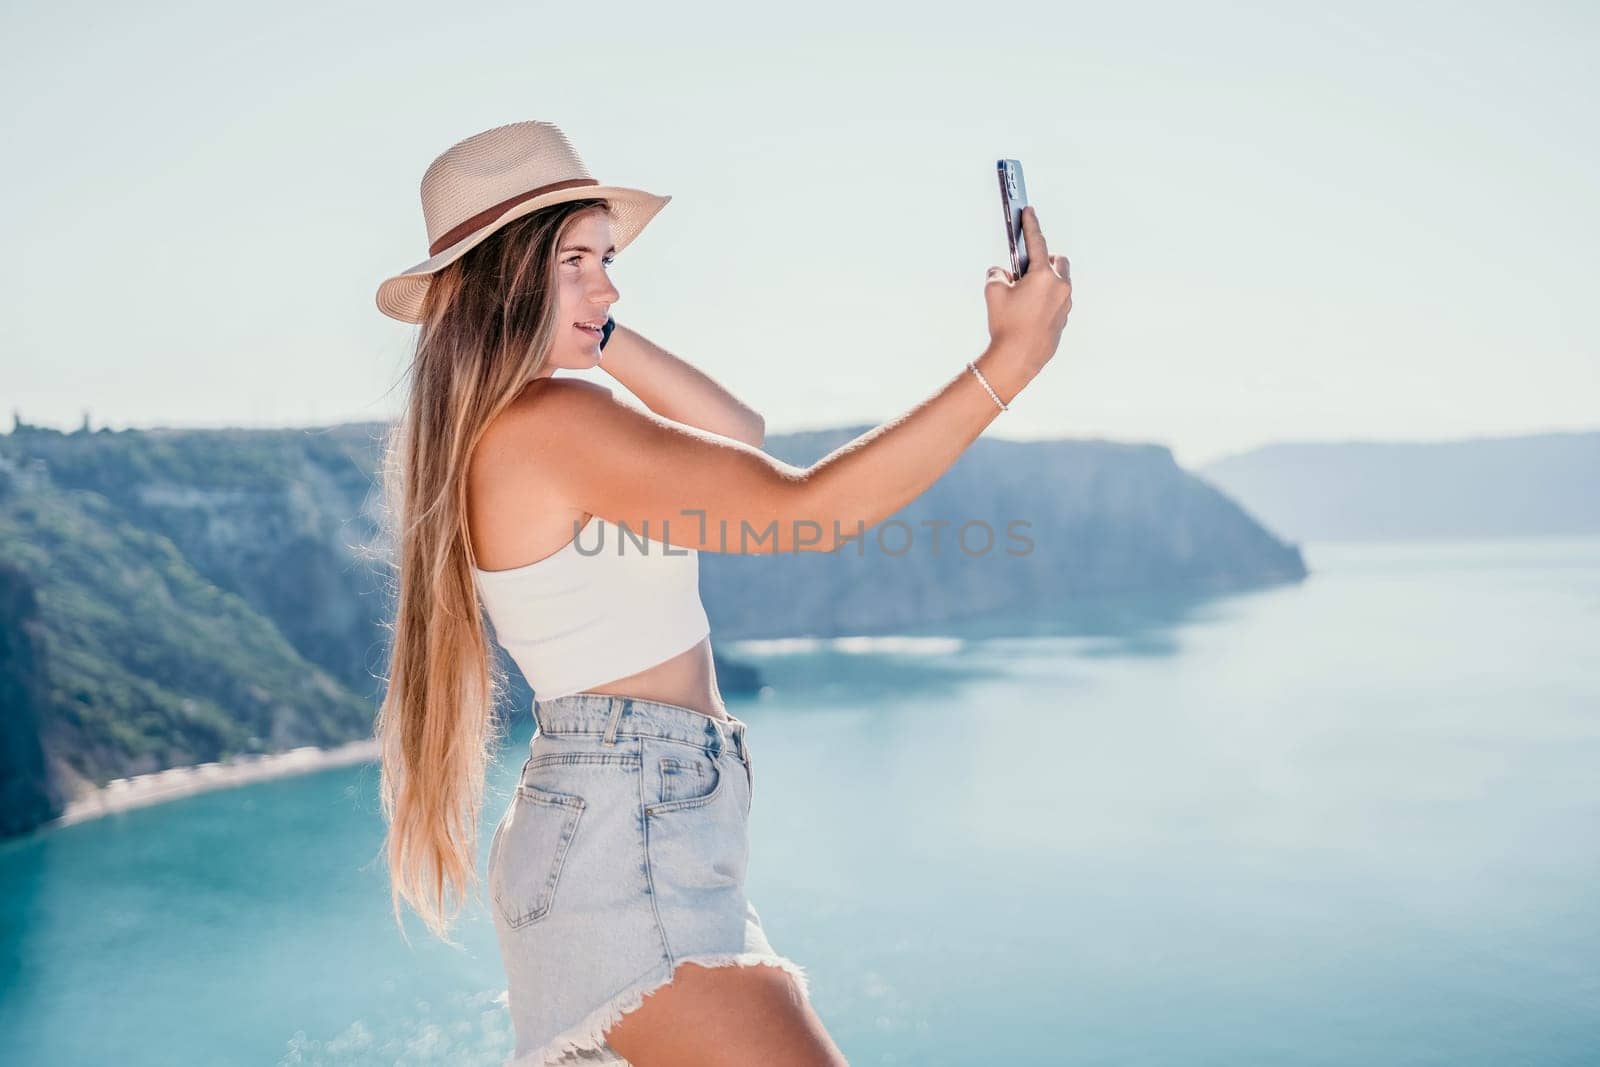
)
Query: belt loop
[{"x": 616, "y": 714}]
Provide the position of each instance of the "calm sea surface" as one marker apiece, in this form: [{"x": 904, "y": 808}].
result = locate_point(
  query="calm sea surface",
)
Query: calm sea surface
[{"x": 1352, "y": 821}]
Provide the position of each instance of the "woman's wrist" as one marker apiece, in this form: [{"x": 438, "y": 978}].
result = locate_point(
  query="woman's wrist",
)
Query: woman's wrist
[{"x": 1004, "y": 370}]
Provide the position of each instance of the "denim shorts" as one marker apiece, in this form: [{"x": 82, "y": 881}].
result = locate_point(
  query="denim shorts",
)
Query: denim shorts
[{"x": 621, "y": 855}]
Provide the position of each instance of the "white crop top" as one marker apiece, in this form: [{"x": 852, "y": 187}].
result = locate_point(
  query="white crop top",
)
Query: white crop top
[{"x": 595, "y": 611}]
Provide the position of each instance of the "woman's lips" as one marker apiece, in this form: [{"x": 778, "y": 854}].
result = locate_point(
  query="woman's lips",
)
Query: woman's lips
[{"x": 593, "y": 335}]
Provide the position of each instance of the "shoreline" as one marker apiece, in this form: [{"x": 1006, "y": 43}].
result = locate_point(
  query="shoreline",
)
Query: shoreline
[{"x": 142, "y": 790}]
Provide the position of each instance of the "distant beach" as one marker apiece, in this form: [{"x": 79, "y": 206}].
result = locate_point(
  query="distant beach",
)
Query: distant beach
[{"x": 124, "y": 794}]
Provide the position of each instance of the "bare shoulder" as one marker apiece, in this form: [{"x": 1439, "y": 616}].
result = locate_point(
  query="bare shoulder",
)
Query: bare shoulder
[
  {"x": 517, "y": 503},
  {"x": 551, "y": 422},
  {"x": 548, "y": 402},
  {"x": 571, "y": 416},
  {"x": 511, "y": 439}
]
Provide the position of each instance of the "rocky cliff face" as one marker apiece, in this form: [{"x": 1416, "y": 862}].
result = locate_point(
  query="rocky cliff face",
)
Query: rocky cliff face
[
  {"x": 124, "y": 659},
  {"x": 286, "y": 520},
  {"x": 175, "y": 596}
]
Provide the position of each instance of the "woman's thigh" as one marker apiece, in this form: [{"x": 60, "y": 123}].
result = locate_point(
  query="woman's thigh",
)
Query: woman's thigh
[{"x": 727, "y": 1016}]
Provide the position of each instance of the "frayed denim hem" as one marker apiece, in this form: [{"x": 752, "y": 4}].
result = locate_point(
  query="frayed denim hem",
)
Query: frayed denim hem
[{"x": 586, "y": 1043}]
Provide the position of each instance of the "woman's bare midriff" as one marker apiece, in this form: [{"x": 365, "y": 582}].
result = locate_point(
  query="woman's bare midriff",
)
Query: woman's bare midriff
[{"x": 688, "y": 680}]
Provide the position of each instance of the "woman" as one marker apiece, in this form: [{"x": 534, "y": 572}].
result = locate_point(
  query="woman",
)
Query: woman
[{"x": 617, "y": 872}]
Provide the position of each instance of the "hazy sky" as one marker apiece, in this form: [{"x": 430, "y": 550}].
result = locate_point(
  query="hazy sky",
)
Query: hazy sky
[{"x": 1286, "y": 221}]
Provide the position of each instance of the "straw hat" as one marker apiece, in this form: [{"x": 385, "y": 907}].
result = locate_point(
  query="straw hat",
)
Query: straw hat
[{"x": 484, "y": 182}]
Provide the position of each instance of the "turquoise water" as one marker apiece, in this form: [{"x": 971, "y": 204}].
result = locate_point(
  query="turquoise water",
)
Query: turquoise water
[{"x": 1352, "y": 821}]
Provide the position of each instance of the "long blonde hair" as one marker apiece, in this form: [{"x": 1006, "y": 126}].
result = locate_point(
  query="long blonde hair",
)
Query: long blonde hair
[{"x": 489, "y": 323}]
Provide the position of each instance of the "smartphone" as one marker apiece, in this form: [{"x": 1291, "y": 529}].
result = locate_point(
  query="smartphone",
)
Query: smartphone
[{"x": 1013, "y": 198}]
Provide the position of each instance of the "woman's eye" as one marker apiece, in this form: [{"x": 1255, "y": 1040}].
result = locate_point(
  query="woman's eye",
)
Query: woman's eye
[{"x": 604, "y": 262}]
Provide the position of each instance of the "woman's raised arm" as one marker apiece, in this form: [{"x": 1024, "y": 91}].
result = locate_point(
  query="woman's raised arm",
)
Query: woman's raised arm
[{"x": 694, "y": 489}]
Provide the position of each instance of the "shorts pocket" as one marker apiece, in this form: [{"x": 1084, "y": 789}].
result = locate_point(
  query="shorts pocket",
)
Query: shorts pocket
[
  {"x": 684, "y": 781},
  {"x": 529, "y": 849},
  {"x": 681, "y": 778}
]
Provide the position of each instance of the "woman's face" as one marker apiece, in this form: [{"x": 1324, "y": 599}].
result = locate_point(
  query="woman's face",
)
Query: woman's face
[{"x": 586, "y": 293}]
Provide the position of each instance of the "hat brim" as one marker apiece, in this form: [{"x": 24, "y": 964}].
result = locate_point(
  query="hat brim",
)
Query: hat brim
[{"x": 401, "y": 296}]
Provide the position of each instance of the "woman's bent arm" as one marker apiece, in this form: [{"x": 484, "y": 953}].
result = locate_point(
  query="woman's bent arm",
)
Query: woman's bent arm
[
  {"x": 694, "y": 489},
  {"x": 677, "y": 389}
]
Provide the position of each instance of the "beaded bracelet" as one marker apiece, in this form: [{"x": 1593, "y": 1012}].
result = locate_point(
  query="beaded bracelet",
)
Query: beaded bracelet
[{"x": 973, "y": 367}]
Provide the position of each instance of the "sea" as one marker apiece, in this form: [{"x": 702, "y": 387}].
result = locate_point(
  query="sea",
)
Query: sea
[{"x": 1350, "y": 820}]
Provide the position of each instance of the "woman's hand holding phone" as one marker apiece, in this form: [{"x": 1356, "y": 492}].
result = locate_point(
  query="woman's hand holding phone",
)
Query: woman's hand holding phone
[{"x": 1027, "y": 314}]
